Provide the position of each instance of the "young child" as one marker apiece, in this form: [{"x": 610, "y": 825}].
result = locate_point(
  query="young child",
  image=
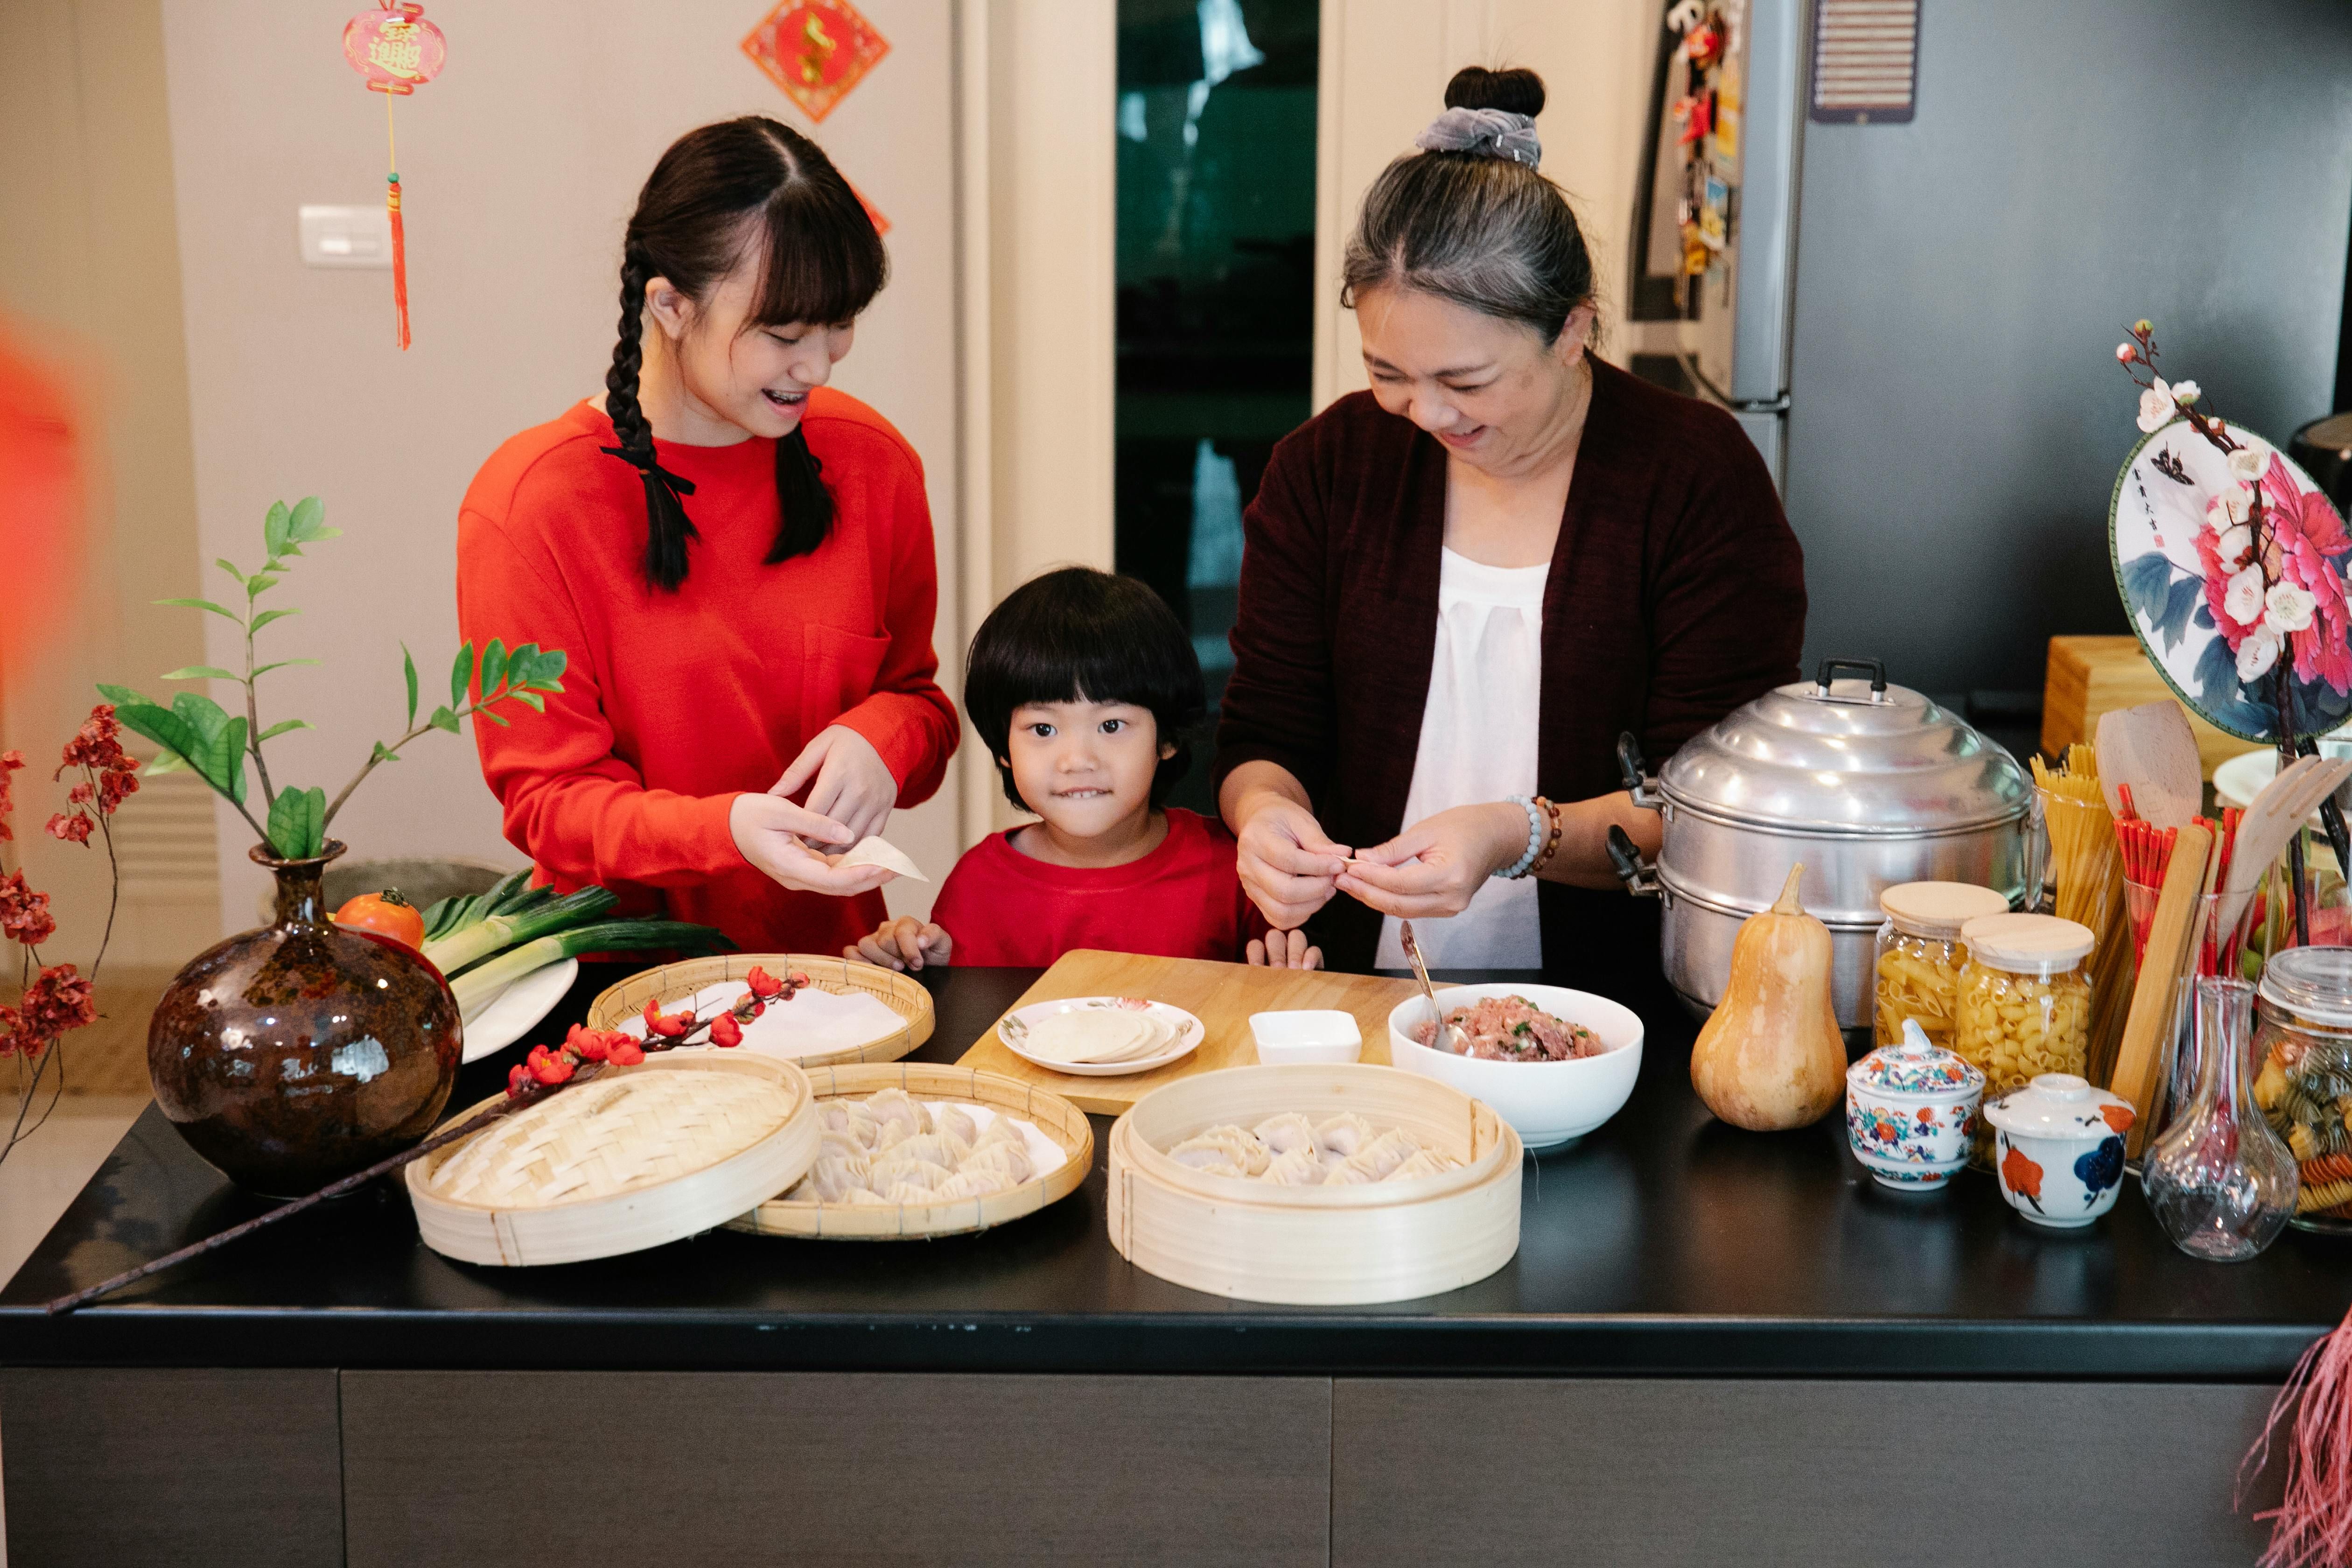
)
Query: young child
[{"x": 1082, "y": 686}]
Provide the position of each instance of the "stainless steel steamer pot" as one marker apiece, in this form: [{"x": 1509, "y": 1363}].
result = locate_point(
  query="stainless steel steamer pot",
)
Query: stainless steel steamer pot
[{"x": 1867, "y": 785}]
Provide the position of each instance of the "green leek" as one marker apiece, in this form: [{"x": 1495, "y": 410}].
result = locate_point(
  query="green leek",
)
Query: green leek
[
  {"x": 469, "y": 945},
  {"x": 479, "y": 986}
]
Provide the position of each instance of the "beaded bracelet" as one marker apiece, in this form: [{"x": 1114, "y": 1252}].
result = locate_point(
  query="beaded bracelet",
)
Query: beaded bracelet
[
  {"x": 1518, "y": 867},
  {"x": 1551, "y": 843}
]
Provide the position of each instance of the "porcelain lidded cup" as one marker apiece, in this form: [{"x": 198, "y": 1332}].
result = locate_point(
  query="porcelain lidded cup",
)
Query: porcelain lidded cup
[
  {"x": 2058, "y": 1149},
  {"x": 1910, "y": 1108}
]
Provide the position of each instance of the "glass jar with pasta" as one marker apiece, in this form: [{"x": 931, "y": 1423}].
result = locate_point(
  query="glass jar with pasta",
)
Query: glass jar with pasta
[
  {"x": 2024, "y": 1003},
  {"x": 2302, "y": 1082},
  {"x": 1920, "y": 956}
]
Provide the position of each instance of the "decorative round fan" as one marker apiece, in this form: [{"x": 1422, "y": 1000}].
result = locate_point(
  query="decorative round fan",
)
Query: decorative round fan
[{"x": 2193, "y": 582}]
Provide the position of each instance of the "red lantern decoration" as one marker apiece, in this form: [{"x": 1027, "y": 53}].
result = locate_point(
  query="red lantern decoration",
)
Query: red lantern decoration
[{"x": 396, "y": 50}]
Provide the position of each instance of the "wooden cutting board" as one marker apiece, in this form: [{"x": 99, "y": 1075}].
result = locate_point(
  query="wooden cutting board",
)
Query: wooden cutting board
[
  {"x": 2088, "y": 676},
  {"x": 1221, "y": 996}
]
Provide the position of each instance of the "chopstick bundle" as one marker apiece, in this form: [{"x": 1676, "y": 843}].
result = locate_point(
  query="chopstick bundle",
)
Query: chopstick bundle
[{"x": 2085, "y": 854}]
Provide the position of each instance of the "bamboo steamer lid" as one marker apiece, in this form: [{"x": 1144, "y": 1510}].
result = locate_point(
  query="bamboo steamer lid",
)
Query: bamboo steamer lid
[
  {"x": 634, "y": 1158},
  {"x": 1937, "y": 911}
]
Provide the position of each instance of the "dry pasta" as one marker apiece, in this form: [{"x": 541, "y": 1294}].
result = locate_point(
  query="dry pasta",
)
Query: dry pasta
[{"x": 1918, "y": 979}]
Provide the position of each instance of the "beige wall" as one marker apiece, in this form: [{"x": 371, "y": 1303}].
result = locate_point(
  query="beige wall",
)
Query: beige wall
[
  {"x": 519, "y": 166},
  {"x": 1039, "y": 219},
  {"x": 1385, "y": 66},
  {"x": 90, "y": 275}
]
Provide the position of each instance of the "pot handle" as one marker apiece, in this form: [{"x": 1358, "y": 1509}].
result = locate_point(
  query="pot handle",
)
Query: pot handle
[
  {"x": 1829, "y": 667},
  {"x": 1639, "y": 783},
  {"x": 1640, "y": 876}
]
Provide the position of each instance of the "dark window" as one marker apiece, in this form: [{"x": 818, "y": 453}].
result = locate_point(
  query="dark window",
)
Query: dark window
[{"x": 1216, "y": 122}]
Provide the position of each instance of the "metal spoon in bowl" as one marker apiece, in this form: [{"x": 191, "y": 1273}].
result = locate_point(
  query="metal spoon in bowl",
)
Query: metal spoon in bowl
[{"x": 1449, "y": 1037}]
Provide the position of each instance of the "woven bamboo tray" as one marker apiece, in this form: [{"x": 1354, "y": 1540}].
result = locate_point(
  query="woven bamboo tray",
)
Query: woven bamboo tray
[
  {"x": 641, "y": 1155},
  {"x": 1315, "y": 1246},
  {"x": 1057, "y": 1118},
  {"x": 673, "y": 981}
]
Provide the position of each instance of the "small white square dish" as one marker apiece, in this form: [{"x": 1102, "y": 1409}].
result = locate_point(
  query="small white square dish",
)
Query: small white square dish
[{"x": 1307, "y": 1035}]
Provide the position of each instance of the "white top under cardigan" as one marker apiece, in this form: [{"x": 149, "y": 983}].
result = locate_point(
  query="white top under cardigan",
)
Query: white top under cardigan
[{"x": 1478, "y": 735}]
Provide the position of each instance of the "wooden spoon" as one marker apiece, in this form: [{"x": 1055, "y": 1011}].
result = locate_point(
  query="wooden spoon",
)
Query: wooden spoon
[{"x": 2152, "y": 749}]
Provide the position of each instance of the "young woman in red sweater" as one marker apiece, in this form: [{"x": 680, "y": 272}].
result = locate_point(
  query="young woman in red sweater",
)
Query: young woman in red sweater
[{"x": 738, "y": 561}]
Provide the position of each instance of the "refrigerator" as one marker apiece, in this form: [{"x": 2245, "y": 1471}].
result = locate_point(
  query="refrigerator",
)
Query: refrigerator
[{"x": 1901, "y": 239}]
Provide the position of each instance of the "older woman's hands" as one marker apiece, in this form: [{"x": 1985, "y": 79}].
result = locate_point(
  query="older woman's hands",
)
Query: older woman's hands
[
  {"x": 1289, "y": 867},
  {"x": 1433, "y": 867}
]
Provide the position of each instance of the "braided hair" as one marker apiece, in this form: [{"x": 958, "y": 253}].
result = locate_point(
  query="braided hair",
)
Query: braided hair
[{"x": 721, "y": 193}]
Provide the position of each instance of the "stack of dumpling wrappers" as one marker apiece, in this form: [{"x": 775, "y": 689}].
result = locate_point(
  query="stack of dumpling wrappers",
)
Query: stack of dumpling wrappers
[
  {"x": 1293, "y": 1151},
  {"x": 889, "y": 1148}
]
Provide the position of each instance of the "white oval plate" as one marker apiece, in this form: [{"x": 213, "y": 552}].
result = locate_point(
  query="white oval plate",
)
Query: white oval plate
[
  {"x": 1190, "y": 1033},
  {"x": 518, "y": 1007},
  {"x": 2239, "y": 780}
]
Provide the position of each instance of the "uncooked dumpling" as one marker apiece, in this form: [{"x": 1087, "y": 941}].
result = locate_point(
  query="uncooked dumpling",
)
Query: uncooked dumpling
[
  {"x": 1298, "y": 1168},
  {"x": 896, "y": 1105},
  {"x": 1343, "y": 1135},
  {"x": 1010, "y": 1160},
  {"x": 1289, "y": 1131}
]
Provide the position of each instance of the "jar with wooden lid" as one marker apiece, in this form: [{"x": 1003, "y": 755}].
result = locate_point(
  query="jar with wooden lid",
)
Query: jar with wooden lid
[
  {"x": 2024, "y": 1004},
  {"x": 1920, "y": 956},
  {"x": 2303, "y": 1064}
]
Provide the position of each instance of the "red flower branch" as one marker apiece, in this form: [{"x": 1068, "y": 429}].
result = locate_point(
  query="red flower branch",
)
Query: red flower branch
[{"x": 58, "y": 999}]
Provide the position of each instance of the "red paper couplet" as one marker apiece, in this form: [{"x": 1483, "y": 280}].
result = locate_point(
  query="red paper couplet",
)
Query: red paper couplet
[{"x": 394, "y": 48}]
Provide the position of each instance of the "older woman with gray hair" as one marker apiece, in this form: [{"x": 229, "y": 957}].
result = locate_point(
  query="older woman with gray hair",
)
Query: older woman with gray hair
[{"x": 1461, "y": 587}]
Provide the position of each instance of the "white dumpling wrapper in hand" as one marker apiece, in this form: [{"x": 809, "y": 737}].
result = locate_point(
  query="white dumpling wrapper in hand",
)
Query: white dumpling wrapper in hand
[{"x": 876, "y": 850}]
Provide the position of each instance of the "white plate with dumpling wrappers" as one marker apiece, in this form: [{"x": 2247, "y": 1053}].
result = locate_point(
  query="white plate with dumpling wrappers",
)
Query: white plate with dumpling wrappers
[
  {"x": 1101, "y": 1037},
  {"x": 1055, "y": 1121},
  {"x": 1324, "y": 1244}
]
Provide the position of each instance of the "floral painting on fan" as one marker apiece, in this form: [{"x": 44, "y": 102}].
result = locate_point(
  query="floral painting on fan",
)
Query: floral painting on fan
[{"x": 2231, "y": 564}]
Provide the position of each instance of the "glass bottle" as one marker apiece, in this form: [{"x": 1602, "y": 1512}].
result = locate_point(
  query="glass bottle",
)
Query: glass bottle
[{"x": 2218, "y": 1180}]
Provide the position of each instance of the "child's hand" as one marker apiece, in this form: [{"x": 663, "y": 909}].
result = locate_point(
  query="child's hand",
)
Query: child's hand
[
  {"x": 904, "y": 943},
  {"x": 1284, "y": 949}
]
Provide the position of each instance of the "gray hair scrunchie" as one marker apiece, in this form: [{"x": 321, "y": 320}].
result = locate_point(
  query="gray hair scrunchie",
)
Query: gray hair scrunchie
[{"x": 1485, "y": 132}]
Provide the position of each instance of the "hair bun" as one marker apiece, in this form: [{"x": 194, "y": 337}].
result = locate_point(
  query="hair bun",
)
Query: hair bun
[{"x": 1518, "y": 89}]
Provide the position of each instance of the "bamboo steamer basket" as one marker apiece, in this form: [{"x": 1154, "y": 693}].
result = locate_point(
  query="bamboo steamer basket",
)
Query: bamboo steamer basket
[
  {"x": 1057, "y": 1118},
  {"x": 1351, "y": 1245},
  {"x": 640, "y": 1156},
  {"x": 673, "y": 981}
]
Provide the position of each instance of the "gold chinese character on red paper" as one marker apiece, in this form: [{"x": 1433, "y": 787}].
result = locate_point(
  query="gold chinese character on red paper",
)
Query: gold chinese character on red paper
[
  {"x": 816, "y": 50},
  {"x": 873, "y": 213}
]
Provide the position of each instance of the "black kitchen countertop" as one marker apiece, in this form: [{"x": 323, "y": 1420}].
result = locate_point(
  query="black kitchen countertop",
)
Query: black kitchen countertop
[{"x": 1665, "y": 1243}]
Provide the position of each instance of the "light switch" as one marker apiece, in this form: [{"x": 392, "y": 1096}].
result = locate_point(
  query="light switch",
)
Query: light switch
[{"x": 346, "y": 237}]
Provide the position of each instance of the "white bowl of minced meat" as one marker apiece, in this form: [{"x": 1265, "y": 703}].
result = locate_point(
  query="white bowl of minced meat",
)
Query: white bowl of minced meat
[{"x": 1554, "y": 1063}]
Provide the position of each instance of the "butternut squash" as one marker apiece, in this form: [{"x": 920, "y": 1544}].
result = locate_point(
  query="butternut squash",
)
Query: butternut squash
[{"x": 1770, "y": 1056}]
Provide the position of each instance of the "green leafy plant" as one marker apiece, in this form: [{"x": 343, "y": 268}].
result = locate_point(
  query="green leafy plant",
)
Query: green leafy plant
[{"x": 198, "y": 733}]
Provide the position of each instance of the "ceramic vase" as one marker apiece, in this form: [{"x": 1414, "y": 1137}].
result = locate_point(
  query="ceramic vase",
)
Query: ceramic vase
[{"x": 301, "y": 1052}]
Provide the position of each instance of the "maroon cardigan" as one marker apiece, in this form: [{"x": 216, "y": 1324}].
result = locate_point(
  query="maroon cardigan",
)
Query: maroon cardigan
[{"x": 1677, "y": 593}]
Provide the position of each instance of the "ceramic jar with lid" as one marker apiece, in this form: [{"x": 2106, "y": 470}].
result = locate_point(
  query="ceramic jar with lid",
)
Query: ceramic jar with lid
[
  {"x": 1920, "y": 956},
  {"x": 2058, "y": 1149},
  {"x": 2303, "y": 1071},
  {"x": 1910, "y": 1109},
  {"x": 2024, "y": 1003}
]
